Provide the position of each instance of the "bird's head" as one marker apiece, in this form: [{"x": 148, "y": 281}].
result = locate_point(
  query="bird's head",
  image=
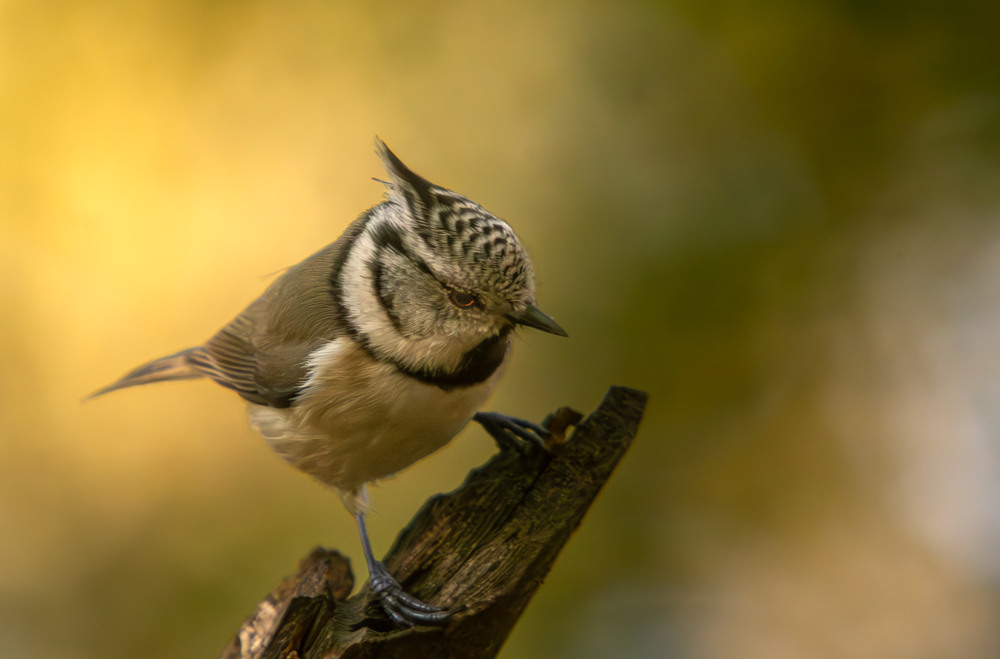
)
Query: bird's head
[{"x": 438, "y": 276}]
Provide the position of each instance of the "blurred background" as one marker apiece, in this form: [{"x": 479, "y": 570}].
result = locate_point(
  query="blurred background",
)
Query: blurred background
[{"x": 782, "y": 219}]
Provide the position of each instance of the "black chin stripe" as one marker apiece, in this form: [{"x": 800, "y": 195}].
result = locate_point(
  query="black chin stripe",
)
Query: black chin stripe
[{"x": 476, "y": 366}]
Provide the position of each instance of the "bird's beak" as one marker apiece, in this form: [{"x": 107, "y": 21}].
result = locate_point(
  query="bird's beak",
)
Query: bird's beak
[{"x": 533, "y": 317}]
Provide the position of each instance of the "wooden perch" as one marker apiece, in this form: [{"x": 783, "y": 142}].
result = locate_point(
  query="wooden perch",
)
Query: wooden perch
[{"x": 481, "y": 550}]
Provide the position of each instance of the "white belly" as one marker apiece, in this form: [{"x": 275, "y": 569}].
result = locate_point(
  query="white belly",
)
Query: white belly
[{"x": 359, "y": 420}]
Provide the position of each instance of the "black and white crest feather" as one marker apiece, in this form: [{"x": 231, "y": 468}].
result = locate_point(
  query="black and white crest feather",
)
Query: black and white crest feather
[{"x": 466, "y": 237}]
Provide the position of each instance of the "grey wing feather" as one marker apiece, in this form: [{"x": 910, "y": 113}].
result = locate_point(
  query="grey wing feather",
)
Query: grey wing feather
[
  {"x": 229, "y": 358},
  {"x": 177, "y": 366},
  {"x": 263, "y": 353},
  {"x": 235, "y": 359}
]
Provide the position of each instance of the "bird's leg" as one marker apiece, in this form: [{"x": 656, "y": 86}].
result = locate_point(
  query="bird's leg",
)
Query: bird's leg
[
  {"x": 513, "y": 433},
  {"x": 404, "y": 609}
]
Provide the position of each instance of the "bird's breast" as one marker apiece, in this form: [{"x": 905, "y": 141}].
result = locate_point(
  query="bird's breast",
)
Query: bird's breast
[{"x": 358, "y": 419}]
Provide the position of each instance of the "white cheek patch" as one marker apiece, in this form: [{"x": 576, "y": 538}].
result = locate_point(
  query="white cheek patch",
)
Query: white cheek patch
[{"x": 360, "y": 299}]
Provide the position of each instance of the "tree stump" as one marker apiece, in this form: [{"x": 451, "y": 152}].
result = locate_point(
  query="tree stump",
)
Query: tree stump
[{"x": 481, "y": 551}]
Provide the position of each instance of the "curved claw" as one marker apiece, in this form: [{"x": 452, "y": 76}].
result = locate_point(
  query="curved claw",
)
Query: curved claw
[
  {"x": 511, "y": 432},
  {"x": 404, "y": 609}
]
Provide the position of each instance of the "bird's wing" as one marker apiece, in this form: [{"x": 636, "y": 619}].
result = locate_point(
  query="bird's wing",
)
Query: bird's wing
[
  {"x": 262, "y": 354},
  {"x": 232, "y": 359}
]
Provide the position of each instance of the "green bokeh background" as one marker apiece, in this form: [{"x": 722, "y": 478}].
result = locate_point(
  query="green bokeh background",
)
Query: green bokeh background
[{"x": 782, "y": 219}]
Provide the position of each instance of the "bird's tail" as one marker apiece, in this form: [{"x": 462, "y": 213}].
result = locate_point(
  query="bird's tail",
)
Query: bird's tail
[{"x": 172, "y": 367}]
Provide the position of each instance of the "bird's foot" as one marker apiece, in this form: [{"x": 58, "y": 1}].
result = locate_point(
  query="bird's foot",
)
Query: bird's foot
[
  {"x": 404, "y": 609},
  {"x": 512, "y": 433}
]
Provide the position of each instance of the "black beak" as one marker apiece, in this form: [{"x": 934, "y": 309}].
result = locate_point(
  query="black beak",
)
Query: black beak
[{"x": 533, "y": 317}]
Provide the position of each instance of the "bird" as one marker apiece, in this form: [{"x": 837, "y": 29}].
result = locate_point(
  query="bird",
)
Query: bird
[{"x": 378, "y": 349}]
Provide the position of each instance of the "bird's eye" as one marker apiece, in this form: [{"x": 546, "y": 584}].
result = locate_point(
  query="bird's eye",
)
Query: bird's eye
[{"x": 462, "y": 300}]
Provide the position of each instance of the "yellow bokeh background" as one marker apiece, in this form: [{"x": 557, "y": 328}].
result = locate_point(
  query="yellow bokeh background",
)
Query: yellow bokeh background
[{"x": 780, "y": 219}]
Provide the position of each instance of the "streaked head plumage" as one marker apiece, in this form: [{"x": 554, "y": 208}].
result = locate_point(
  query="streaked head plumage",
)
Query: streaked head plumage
[
  {"x": 433, "y": 278},
  {"x": 468, "y": 247}
]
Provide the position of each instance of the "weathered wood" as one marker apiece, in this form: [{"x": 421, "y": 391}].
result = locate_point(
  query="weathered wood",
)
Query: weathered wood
[{"x": 482, "y": 550}]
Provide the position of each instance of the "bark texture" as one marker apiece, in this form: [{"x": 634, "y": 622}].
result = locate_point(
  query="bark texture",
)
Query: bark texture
[{"x": 481, "y": 550}]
